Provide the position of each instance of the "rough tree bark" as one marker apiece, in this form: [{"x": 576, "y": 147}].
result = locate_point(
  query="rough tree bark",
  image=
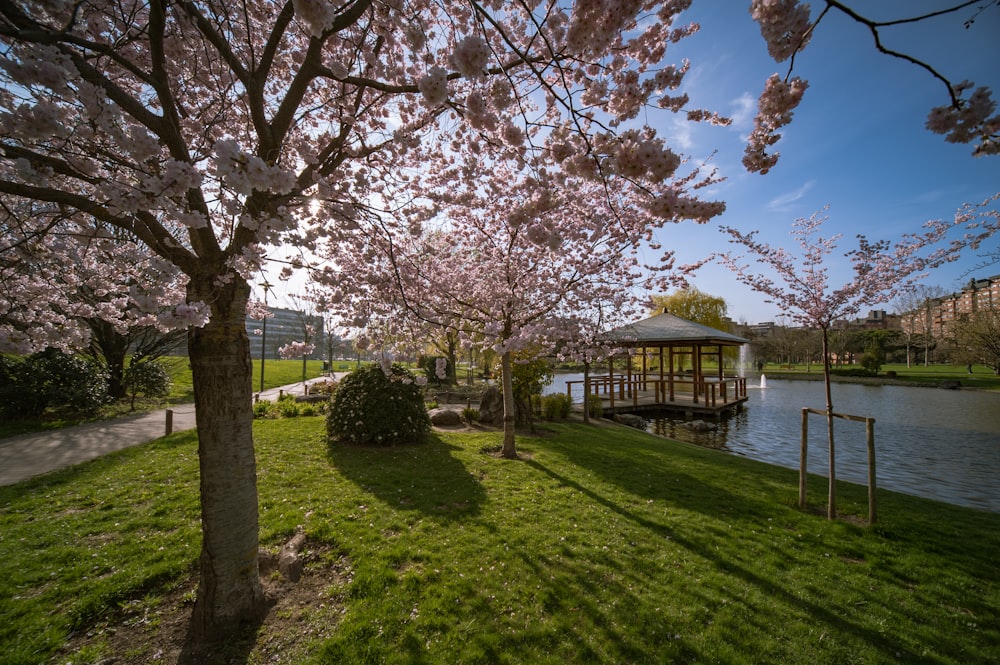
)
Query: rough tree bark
[{"x": 230, "y": 590}]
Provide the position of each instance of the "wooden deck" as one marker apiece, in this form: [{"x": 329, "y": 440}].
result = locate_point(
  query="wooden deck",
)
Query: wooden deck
[{"x": 679, "y": 394}]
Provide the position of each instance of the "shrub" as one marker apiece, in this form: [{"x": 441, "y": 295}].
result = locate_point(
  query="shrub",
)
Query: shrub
[
  {"x": 556, "y": 406},
  {"x": 52, "y": 380},
  {"x": 370, "y": 407},
  {"x": 149, "y": 378},
  {"x": 288, "y": 408},
  {"x": 470, "y": 415},
  {"x": 264, "y": 408},
  {"x": 327, "y": 387}
]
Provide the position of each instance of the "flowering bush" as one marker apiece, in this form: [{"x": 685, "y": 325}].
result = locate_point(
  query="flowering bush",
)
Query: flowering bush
[{"x": 374, "y": 407}]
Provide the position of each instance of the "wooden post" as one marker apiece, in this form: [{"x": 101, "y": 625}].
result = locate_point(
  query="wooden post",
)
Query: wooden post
[
  {"x": 804, "y": 446},
  {"x": 611, "y": 384},
  {"x": 170, "y": 422},
  {"x": 872, "y": 509}
]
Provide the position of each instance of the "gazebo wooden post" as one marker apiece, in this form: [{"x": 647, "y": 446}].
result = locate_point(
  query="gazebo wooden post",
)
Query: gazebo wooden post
[
  {"x": 660, "y": 388},
  {"x": 611, "y": 383},
  {"x": 696, "y": 370},
  {"x": 627, "y": 383},
  {"x": 722, "y": 379},
  {"x": 670, "y": 376},
  {"x": 645, "y": 369}
]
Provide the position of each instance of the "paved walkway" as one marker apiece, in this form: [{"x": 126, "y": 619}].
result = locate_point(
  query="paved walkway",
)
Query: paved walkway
[{"x": 33, "y": 454}]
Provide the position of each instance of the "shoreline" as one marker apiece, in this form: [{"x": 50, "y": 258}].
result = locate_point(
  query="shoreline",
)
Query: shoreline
[{"x": 944, "y": 384}]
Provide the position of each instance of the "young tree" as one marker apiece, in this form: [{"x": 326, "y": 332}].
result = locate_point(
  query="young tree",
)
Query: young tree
[{"x": 881, "y": 270}]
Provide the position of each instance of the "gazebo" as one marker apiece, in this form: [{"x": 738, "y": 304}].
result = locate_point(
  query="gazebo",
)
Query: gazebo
[{"x": 684, "y": 378}]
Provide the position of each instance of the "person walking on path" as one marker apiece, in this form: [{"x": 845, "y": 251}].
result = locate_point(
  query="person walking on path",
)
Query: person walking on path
[{"x": 28, "y": 455}]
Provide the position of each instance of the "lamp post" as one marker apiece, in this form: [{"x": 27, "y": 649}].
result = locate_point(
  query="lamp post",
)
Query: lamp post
[{"x": 263, "y": 335}]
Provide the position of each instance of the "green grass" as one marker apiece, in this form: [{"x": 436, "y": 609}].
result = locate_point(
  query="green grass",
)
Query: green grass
[
  {"x": 982, "y": 377},
  {"x": 601, "y": 545}
]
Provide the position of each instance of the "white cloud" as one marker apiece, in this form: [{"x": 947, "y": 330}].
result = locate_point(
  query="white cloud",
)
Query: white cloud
[
  {"x": 783, "y": 202},
  {"x": 744, "y": 109}
]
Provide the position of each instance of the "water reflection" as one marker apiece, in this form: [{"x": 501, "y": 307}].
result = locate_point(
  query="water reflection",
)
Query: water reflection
[{"x": 935, "y": 443}]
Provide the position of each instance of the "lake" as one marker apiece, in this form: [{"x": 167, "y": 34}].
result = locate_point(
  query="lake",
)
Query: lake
[{"x": 930, "y": 442}]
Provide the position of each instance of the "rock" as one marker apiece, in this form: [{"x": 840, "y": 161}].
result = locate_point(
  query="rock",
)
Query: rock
[
  {"x": 444, "y": 417},
  {"x": 312, "y": 399},
  {"x": 491, "y": 406},
  {"x": 289, "y": 563},
  {"x": 491, "y": 409},
  {"x": 701, "y": 426},
  {"x": 630, "y": 420}
]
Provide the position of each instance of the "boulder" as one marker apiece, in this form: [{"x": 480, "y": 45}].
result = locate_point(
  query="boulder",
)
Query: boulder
[
  {"x": 491, "y": 406},
  {"x": 630, "y": 420},
  {"x": 491, "y": 409},
  {"x": 443, "y": 417},
  {"x": 701, "y": 426}
]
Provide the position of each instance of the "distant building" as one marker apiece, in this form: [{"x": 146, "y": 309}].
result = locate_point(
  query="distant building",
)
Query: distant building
[
  {"x": 758, "y": 330},
  {"x": 978, "y": 295},
  {"x": 877, "y": 319},
  {"x": 283, "y": 326}
]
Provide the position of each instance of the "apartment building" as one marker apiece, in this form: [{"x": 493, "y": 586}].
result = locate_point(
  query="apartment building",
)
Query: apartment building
[{"x": 977, "y": 295}]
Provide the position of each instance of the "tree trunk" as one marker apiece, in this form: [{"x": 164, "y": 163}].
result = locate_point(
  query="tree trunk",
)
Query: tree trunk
[
  {"x": 831, "y": 508},
  {"x": 229, "y": 589},
  {"x": 509, "y": 415}
]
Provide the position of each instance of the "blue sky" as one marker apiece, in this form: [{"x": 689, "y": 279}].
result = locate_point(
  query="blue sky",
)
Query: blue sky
[{"x": 857, "y": 143}]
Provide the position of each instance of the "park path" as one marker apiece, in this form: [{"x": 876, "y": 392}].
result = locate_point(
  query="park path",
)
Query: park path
[{"x": 28, "y": 455}]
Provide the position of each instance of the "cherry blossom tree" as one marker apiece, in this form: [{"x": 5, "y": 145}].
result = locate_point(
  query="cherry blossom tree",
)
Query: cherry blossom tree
[
  {"x": 211, "y": 131},
  {"x": 519, "y": 263},
  {"x": 801, "y": 286},
  {"x": 300, "y": 349}
]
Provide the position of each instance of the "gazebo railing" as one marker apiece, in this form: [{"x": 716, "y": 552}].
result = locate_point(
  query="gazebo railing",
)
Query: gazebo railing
[{"x": 624, "y": 388}]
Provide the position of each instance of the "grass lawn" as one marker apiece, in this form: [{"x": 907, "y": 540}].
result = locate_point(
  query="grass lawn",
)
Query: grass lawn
[{"x": 601, "y": 544}]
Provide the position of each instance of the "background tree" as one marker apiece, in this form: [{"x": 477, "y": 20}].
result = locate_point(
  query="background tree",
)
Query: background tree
[
  {"x": 975, "y": 339},
  {"x": 694, "y": 305},
  {"x": 915, "y": 307},
  {"x": 880, "y": 269}
]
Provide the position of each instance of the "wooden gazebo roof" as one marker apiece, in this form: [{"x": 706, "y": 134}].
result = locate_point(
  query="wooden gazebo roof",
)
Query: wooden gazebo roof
[{"x": 665, "y": 329}]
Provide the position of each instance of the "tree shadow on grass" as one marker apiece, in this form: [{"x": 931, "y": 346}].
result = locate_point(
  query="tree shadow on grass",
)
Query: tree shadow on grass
[
  {"x": 424, "y": 477},
  {"x": 827, "y": 616}
]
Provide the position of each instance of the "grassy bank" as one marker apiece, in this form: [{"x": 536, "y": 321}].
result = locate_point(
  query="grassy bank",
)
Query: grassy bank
[
  {"x": 982, "y": 378},
  {"x": 600, "y": 545}
]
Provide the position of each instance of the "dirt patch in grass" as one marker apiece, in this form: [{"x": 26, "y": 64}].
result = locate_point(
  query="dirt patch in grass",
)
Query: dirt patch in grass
[{"x": 155, "y": 629}]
